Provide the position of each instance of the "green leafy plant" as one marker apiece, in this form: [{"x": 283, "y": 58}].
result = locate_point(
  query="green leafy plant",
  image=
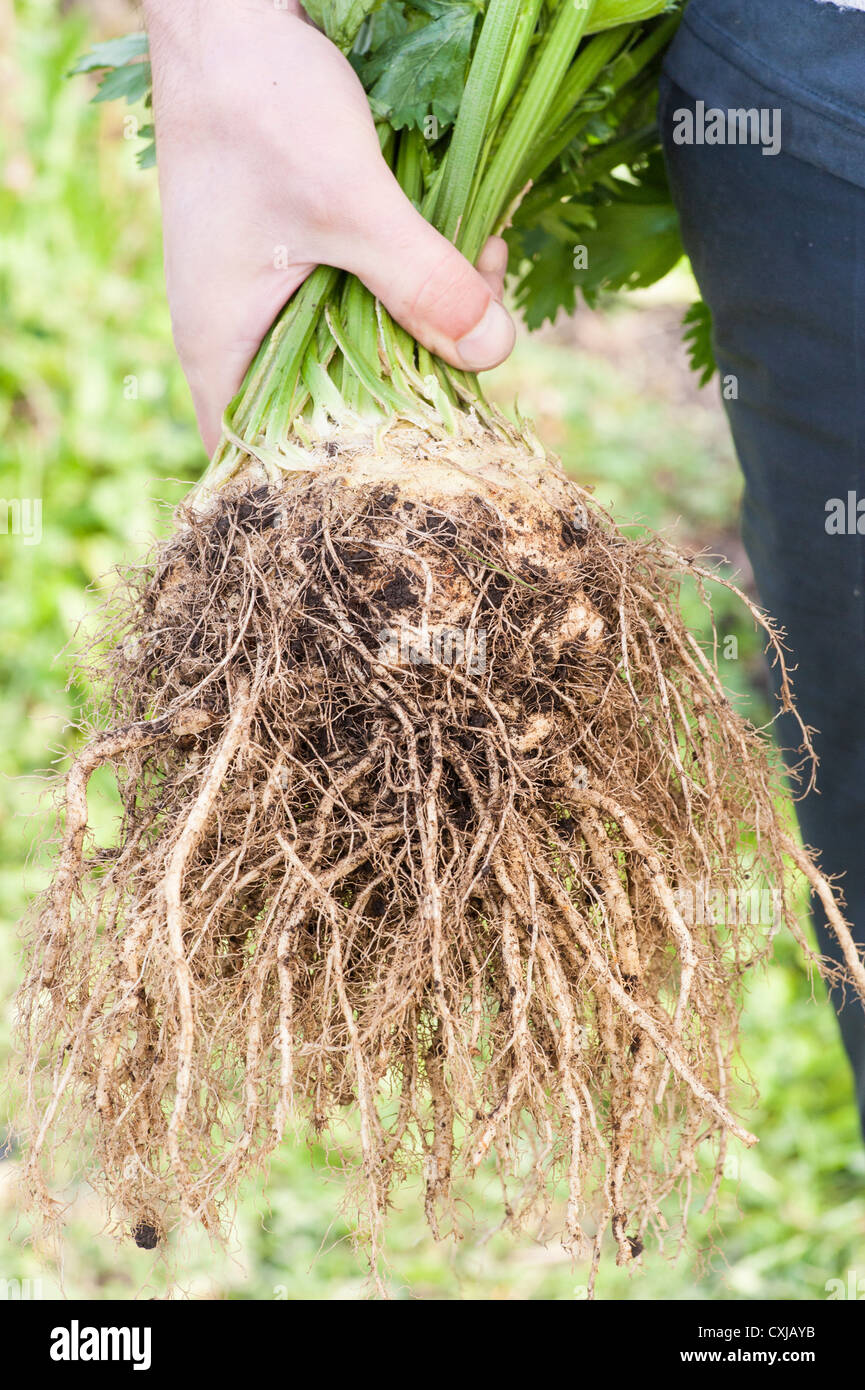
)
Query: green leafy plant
[
  {"x": 698, "y": 339},
  {"x": 127, "y": 74},
  {"x": 387, "y": 647}
]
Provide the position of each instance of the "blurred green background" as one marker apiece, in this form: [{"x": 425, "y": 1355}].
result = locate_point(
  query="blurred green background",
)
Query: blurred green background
[{"x": 96, "y": 422}]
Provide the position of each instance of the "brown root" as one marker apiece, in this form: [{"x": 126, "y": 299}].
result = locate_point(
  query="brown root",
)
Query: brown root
[{"x": 420, "y": 769}]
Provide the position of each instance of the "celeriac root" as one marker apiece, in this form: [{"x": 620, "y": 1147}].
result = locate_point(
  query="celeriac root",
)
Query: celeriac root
[{"x": 417, "y": 760}]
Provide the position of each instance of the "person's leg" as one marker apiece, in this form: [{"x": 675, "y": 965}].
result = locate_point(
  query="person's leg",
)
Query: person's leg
[{"x": 778, "y": 249}]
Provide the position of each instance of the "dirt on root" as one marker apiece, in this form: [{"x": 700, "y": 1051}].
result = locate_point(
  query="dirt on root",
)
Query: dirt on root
[{"x": 416, "y": 760}]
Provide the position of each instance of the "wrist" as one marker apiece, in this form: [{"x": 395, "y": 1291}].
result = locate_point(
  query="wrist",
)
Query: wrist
[
  {"x": 175, "y": 15},
  {"x": 199, "y": 35},
  {"x": 161, "y": 8}
]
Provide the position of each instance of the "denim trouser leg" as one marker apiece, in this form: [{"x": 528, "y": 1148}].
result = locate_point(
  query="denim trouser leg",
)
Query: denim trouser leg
[{"x": 778, "y": 248}]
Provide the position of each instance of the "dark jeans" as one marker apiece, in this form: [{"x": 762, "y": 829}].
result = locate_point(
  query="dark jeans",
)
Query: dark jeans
[{"x": 777, "y": 243}]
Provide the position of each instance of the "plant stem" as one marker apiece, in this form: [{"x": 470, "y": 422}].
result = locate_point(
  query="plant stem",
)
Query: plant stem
[
  {"x": 474, "y": 119},
  {"x": 499, "y": 185}
]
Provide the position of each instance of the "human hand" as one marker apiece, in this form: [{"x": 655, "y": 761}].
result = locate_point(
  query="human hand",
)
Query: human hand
[{"x": 269, "y": 164}]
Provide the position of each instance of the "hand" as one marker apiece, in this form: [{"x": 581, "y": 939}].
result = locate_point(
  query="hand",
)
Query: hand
[{"x": 269, "y": 164}]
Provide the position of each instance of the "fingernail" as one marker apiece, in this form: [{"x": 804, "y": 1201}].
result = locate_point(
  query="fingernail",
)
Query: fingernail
[{"x": 489, "y": 341}]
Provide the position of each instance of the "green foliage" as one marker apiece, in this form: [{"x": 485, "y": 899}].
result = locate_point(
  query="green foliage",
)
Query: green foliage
[
  {"x": 126, "y": 74},
  {"x": 419, "y": 70},
  {"x": 114, "y": 53},
  {"x": 622, "y": 235},
  {"x": 632, "y": 245},
  {"x": 340, "y": 19},
  {"x": 542, "y": 252},
  {"x": 131, "y": 81},
  {"x": 697, "y": 323},
  {"x": 146, "y": 156}
]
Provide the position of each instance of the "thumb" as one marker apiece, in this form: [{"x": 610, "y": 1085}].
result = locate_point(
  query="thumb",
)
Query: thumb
[{"x": 427, "y": 285}]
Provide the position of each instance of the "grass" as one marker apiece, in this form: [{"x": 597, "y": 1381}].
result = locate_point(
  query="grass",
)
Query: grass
[{"x": 96, "y": 422}]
